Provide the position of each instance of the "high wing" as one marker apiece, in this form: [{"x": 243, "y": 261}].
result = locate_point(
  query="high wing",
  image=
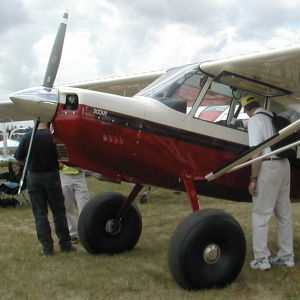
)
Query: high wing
[
  {"x": 124, "y": 86},
  {"x": 10, "y": 111},
  {"x": 278, "y": 68}
]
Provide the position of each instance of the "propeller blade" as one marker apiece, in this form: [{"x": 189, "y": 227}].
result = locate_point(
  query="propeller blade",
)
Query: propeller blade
[
  {"x": 56, "y": 52},
  {"x": 36, "y": 124}
]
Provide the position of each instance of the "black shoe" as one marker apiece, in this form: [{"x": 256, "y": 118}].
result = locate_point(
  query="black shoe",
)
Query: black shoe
[
  {"x": 68, "y": 249},
  {"x": 74, "y": 240}
]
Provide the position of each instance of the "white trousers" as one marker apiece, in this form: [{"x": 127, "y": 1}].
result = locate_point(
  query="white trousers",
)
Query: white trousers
[
  {"x": 75, "y": 190},
  {"x": 273, "y": 196}
]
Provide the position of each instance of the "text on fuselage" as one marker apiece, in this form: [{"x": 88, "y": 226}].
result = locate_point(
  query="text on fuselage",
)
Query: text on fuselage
[{"x": 100, "y": 112}]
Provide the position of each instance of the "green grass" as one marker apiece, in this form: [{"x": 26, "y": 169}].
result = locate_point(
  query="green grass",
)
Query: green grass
[{"x": 139, "y": 274}]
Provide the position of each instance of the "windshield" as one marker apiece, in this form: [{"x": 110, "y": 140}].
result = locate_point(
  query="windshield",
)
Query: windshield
[{"x": 182, "y": 83}]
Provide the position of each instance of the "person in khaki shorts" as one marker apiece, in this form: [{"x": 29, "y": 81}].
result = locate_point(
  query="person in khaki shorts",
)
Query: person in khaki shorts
[
  {"x": 75, "y": 190},
  {"x": 270, "y": 189}
]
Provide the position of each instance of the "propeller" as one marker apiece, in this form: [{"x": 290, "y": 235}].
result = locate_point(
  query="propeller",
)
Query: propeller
[
  {"x": 56, "y": 52},
  {"x": 33, "y": 98}
]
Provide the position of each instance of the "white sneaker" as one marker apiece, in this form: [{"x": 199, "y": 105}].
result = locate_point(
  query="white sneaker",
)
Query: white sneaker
[
  {"x": 289, "y": 262},
  {"x": 260, "y": 265}
]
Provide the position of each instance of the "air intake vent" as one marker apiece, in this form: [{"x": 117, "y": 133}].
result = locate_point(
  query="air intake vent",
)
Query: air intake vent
[{"x": 62, "y": 151}]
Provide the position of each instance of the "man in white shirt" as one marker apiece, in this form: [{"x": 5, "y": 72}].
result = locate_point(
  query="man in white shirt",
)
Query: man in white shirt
[{"x": 270, "y": 189}]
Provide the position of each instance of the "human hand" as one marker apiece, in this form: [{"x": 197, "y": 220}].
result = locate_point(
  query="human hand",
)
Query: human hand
[{"x": 252, "y": 188}]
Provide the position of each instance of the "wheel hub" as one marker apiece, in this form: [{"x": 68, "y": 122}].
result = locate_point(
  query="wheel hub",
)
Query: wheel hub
[
  {"x": 113, "y": 226},
  {"x": 212, "y": 253}
]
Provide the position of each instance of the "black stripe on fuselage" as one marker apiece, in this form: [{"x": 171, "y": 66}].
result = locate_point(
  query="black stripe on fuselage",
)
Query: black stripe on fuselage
[{"x": 170, "y": 132}]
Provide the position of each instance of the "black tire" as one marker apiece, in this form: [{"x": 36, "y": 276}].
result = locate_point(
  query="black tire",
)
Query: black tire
[
  {"x": 93, "y": 219},
  {"x": 207, "y": 250}
]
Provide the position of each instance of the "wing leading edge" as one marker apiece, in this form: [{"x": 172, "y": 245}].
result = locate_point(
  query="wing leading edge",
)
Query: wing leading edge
[
  {"x": 10, "y": 111},
  {"x": 124, "y": 86}
]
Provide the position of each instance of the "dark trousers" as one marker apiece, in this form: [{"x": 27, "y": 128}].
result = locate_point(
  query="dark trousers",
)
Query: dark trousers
[{"x": 44, "y": 189}]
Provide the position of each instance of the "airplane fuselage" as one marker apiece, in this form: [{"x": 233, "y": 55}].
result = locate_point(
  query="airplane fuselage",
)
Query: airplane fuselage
[{"x": 144, "y": 141}]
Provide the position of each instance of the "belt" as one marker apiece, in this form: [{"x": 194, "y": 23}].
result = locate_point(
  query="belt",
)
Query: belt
[{"x": 273, "y": 158}]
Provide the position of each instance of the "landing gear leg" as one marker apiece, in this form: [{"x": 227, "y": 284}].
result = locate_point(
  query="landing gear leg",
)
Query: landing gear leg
[
  {"x": 122, "y": 211},
  {"x": 192, "y": 193}
]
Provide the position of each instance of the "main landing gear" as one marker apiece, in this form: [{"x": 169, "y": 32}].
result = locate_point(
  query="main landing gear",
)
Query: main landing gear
[
  {"x": 100, "y": 228},
  {"x": 207, "y": 249}
]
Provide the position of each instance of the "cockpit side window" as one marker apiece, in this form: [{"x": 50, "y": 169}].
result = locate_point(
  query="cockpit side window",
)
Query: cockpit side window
[{"x": 179, "y": 88}]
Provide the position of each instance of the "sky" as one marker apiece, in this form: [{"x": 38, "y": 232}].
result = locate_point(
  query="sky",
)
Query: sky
[{"x": 107, "y": 38}]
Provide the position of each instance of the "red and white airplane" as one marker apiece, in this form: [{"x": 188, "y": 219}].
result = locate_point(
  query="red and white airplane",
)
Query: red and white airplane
[{"x": 164, "y": 136}]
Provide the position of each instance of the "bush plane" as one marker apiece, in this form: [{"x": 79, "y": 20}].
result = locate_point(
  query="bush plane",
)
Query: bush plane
[{"x": 170, "y": 135}]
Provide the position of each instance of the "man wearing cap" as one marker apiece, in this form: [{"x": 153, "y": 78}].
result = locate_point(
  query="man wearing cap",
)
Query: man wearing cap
[{"x": 270, "y": 189}]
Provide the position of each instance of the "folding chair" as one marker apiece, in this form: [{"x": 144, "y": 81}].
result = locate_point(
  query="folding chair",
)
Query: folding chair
[
  {"x": 9, "y": 194},
  {"x": 9, "y": 191}
]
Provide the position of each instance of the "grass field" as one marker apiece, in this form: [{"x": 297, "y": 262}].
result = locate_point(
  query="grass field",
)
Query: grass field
[{"x": 139, "y": 274}]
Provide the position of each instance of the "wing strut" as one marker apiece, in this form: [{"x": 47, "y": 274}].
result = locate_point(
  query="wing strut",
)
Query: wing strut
[
  {"x": 295, "y": 144},
  {"x": 240, "y": 161}
]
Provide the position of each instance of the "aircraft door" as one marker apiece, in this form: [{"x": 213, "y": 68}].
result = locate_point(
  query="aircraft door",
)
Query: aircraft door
[{"x": 220, "y": 105}]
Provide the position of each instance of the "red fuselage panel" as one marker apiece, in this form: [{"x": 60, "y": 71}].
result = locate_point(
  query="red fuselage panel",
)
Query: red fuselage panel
[{"x": 127, "y": 148}]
